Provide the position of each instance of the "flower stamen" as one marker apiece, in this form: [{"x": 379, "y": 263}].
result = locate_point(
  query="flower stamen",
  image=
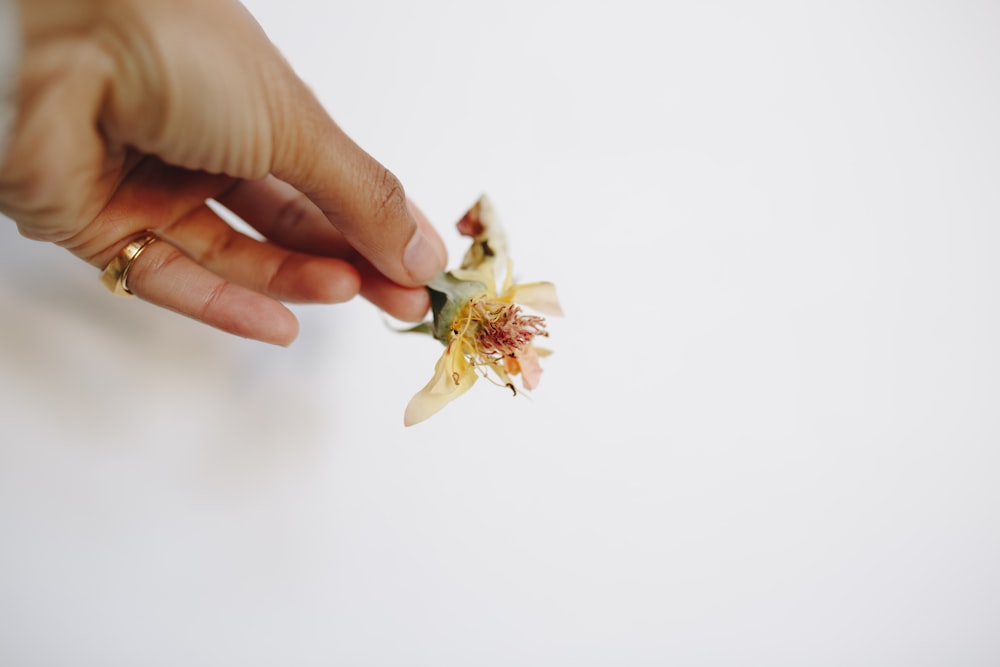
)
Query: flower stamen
[{"x": 491, "y": 334}]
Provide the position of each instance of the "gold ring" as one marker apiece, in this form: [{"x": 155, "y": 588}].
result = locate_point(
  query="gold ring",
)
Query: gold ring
[{"x": 115, "y": 273}]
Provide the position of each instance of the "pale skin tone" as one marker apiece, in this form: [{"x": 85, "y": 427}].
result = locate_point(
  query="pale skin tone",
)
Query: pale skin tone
[{"x": 131, "y": 113}]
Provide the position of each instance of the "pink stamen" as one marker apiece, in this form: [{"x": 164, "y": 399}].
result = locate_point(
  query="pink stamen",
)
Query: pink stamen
[{"x": 505, "y": 329}]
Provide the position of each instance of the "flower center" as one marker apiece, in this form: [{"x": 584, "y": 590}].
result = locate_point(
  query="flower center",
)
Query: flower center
[{"x": 499, "y": 329}]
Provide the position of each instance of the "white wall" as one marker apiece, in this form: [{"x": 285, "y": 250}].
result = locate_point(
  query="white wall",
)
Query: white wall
[{"x": 769, "y": 434}]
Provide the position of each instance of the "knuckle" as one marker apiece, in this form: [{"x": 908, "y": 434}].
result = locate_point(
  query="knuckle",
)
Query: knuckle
[
  {"x": 211, "y": 301},
  {"x": 387, "y": 196},
  {"x": 291, "y": 215},
  {"x": 279, "y": 275}
]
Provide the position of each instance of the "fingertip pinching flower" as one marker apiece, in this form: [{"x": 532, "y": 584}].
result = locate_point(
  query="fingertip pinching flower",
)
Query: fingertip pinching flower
[{"x": 486, "y": 331}]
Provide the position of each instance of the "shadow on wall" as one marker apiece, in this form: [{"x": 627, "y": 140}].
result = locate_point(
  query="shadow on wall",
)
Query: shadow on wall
[{"x": 79, "y": 366}]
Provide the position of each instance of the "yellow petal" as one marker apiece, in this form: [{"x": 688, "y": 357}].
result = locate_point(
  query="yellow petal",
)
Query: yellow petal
[
  {"x": 508, "y": 279},
  {"x": 482, "y": 274},
  {"x": 538, "y": 296},
  {"x": 442, "y": 388}
]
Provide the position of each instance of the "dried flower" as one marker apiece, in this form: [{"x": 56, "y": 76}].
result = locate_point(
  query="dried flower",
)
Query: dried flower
[{"x": 486, "y": 331}]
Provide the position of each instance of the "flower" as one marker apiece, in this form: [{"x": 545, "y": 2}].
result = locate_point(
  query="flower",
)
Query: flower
[{"x": 486, "y": 331}]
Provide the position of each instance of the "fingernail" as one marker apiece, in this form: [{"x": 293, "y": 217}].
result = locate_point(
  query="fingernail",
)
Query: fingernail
[{"x": 421, "y": 259}]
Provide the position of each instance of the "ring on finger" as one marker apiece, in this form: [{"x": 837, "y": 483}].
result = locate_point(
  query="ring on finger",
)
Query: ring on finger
[{"x": 115, "y": 274}]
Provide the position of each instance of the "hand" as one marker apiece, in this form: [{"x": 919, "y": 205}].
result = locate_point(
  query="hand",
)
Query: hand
[{"x": 132, "y": 113}]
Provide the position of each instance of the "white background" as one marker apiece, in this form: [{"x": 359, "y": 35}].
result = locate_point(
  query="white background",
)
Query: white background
[{"x": 769, "y": 434}]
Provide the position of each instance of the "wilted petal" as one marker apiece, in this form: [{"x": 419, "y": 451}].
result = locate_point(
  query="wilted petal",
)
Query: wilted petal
[
  {"x": 531, "y": 370},
  {"x": 538, "y": 296},
  {"x": 442, "y": 388},
  {"x": 483, "y": 225}
]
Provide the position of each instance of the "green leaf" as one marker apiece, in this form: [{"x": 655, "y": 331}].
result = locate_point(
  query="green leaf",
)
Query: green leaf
[{"x": 448, "y": 296}]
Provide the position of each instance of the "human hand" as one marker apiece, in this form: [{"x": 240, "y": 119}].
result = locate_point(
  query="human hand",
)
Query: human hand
[{"x": 132, "y": 113}]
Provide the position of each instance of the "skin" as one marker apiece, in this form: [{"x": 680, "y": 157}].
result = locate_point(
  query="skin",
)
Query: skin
[{"x": 131, "y": 113}]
